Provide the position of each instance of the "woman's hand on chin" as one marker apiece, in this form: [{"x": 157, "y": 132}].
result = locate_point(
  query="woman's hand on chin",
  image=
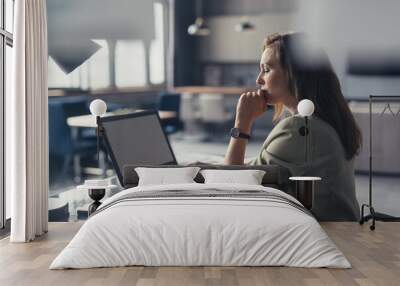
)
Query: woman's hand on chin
[{"x": 251, "y": 105}]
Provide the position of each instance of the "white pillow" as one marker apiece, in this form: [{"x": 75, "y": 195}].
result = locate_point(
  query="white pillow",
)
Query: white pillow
[
  {"x": 248, "y": 177},
  {"x": 163, "y": 176}
]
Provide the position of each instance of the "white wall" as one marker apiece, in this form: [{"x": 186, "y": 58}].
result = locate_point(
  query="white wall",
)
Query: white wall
[{"x": 224, "y": 44}]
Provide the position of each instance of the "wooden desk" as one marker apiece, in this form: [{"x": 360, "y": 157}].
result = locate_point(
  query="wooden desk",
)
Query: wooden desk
[{"x": 90, "y": 120}]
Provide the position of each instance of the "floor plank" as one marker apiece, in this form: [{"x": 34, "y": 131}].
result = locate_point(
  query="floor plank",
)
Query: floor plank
[{"x": 374, "y": 255}]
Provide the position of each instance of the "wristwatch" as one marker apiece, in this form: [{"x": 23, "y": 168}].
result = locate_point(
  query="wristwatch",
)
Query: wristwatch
[{"x": 235, "y": 133}]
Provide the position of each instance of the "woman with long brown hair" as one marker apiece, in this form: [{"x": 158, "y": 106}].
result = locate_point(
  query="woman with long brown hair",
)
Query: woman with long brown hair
[{"x": 290, "y": 72}]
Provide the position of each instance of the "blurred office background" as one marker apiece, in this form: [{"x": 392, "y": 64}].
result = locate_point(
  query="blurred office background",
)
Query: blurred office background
[{"x": 141, "y": 54}]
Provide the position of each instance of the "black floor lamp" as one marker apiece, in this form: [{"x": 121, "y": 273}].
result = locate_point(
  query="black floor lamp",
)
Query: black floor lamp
[
  {"x": 376, "y": 216},
  {"x": 97, "y": 188},
  {"x": 98, "y": 108}
]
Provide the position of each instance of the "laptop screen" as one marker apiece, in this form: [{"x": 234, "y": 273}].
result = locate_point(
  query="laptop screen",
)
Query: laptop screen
[{"x": 136, "y": 138}]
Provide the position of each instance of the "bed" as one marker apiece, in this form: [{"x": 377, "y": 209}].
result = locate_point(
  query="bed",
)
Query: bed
[{"x": 197, "y": 224}]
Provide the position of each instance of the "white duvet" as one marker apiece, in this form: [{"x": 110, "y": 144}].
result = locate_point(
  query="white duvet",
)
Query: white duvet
[{"x": 200, "y": 231}]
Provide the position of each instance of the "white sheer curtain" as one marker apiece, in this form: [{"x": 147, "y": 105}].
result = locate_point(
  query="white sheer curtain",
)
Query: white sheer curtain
[{"x": 26, "y": 124}]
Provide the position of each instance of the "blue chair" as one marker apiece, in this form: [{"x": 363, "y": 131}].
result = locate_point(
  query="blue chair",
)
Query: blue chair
[
  {"x": 170, "y": 102},
  {"x": 63, "y": 148}
]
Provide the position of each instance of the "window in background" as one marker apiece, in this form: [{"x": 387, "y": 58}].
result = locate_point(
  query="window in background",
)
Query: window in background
[
  {"x": 130, "y": 63},
  {"x": 130, "y": 60},
  {"x": 157, "y": 54},
  {"x": 98, "y": 67},
  {"x": 92, "y": 74},
  {"x": 57, "y": 78}
]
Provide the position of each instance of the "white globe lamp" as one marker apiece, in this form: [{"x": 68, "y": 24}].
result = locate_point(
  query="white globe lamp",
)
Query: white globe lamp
[
  {"x": 98, "y": 107},
  {"x": 305, "y": 107}
]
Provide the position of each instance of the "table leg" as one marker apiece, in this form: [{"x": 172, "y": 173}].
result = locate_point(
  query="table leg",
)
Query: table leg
[{"x": 305, "y": 193}]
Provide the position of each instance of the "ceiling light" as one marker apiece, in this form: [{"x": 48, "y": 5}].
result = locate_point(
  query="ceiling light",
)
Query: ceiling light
[
  {"x": 199, "y": 28},
  {"x": 244, "y": 26}
]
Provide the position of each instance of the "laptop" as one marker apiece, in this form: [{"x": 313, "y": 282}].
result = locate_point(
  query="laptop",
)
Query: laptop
[{"x": 136, "y": 138}]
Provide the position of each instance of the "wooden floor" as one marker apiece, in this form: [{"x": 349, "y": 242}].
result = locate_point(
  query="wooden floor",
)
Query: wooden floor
[{"x": 375, "y": 257}]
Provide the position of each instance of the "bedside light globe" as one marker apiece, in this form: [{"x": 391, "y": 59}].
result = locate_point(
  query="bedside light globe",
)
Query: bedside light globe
[
  {"x": 98, "y": 107},
  {"x": 305, "y": 107}
]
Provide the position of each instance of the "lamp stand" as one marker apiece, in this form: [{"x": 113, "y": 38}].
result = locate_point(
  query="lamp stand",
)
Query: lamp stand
[
  {"x": 307, "y": 135},
  {"x": 99, "y": 133},
  {"x": 304, "y": 131}
]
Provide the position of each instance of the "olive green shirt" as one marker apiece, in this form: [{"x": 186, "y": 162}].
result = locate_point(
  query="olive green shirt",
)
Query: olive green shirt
[{"x": 334, "y": 197}]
